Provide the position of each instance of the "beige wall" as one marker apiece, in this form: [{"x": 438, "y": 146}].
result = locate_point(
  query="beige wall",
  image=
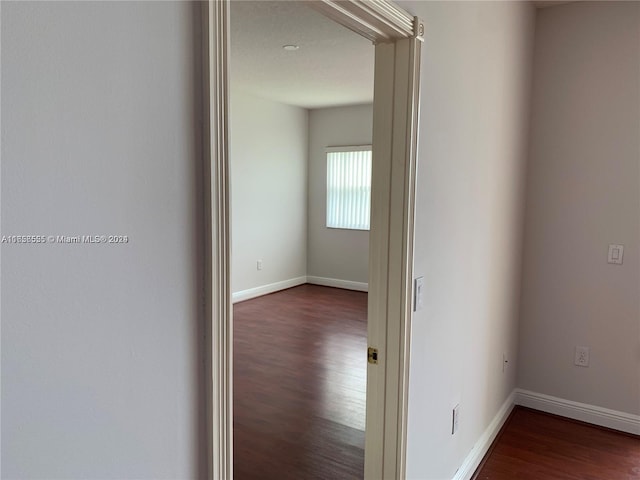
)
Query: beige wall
[
  {"x": 278, "y": 174},
  {"x": 102, "y": 378},
  {"x": 583, "y": 194},
  {"x": 101, "y": 344},
  {"x": 470, "y": 192},
  {"x": 268, "y": 156},
  {"x": 334, "y": 253}
]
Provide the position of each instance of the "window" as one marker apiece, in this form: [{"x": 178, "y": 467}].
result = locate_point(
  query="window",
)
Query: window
[{"x": 349, "y": 187}]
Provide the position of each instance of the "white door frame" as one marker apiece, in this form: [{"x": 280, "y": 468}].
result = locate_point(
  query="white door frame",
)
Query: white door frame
[{"x": 397, "y": 37}]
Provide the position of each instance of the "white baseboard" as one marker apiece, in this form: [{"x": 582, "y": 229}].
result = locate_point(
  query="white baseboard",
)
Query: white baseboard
[
  {"x": 480, "y": 449},
  {"x": 266, "y": 289},
  {"x": 603, "y": 417},
  {"x": 334, "y": 282},
  {"x": 294, "y": 282}
]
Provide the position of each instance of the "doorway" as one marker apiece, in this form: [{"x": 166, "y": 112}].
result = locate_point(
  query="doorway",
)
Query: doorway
[
  {"x": 299, "y": 83},
  {"x": 397, "y": 36}
]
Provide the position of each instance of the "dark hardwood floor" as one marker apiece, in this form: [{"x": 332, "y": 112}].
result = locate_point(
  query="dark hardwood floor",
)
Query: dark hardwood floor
[
  {"x": 537, "y": 446},
  {"x": 300, "y": 385},
  {"x": 299, "y": 402}
]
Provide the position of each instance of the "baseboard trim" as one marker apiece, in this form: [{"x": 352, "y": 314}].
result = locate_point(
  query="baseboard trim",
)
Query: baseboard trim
[
  {"x": 604, "y": 417},
  {"x": 250, "y": 293},
  {"x": 480, "y": 449},
  {"x": 266, "y": 289},
  {"x": 337, "y": 283}
]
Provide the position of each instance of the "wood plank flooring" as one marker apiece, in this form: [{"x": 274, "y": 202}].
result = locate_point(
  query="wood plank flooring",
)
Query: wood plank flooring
[
  {"x": 299, "y": 402},
  {"x": 300, "y": 385},
  {"x": 537, "y": 446}
]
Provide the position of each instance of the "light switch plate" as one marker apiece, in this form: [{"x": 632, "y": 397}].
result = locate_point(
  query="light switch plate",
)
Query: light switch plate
[
  {"x": 615, "y": 254},
  {"x": 418, "y": 294},
  {"x": 455, "y": 420}
]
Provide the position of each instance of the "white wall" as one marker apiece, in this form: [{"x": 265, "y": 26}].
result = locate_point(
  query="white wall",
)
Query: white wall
[
  {"x": 268, "y": 155},
  {"x": 101, "y": 350},
  {"x": 583, "y": 194},
  {"x": 334, "y": 253},
  {"x": 472, "y": 155}
]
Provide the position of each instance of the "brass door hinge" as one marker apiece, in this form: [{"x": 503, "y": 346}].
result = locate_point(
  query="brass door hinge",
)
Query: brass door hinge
[{"x": 372, "y": 355}]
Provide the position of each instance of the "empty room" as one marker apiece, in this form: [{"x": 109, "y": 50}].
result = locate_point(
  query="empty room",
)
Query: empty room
[
  {"x": 183, "y": 296},
  {"x": 300, "y": 165}
]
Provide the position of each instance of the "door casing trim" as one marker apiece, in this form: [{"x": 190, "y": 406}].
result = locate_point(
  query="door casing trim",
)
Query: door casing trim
[{"x": 397, "y": 37}]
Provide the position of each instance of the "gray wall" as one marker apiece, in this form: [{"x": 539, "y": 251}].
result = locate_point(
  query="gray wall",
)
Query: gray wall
[
  {"x": 470, "y": 194},
  {"x": 268, "y": 155},
  {"x": 583, "y": 194},
  {"x": 101, "y": 357},
  {"x": 335, "y": 253}
]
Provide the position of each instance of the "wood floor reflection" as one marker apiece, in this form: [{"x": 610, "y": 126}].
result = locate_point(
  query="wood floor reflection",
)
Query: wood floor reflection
[{"x": 300, "y": 385}]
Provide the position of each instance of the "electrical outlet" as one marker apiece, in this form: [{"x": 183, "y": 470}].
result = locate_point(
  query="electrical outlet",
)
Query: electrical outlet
[
  {"x": 259, "y": 265},
  {"x": 505, "y": 362},
  {"x": 455, "y": 420},
  {"x": 582, "y": 356}
]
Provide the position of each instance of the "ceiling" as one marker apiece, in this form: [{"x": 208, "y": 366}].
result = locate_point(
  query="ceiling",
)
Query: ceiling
[{"x": 332, "y": 66}]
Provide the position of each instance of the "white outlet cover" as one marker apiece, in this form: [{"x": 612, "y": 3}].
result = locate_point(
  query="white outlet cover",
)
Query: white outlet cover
[{"x": 582, "y": 356}]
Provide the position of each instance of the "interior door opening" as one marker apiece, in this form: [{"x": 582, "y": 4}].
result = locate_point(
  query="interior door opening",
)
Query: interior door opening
[
  {"x": 397, "y": 37},
  {"x": 300, "y": 171}
]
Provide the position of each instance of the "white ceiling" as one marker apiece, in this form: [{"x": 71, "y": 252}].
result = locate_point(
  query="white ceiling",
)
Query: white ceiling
[{"x": 332, "y": 67}]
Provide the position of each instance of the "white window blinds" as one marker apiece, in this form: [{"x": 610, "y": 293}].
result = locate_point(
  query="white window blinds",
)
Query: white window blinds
[{"x": 349, "y": 187}]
